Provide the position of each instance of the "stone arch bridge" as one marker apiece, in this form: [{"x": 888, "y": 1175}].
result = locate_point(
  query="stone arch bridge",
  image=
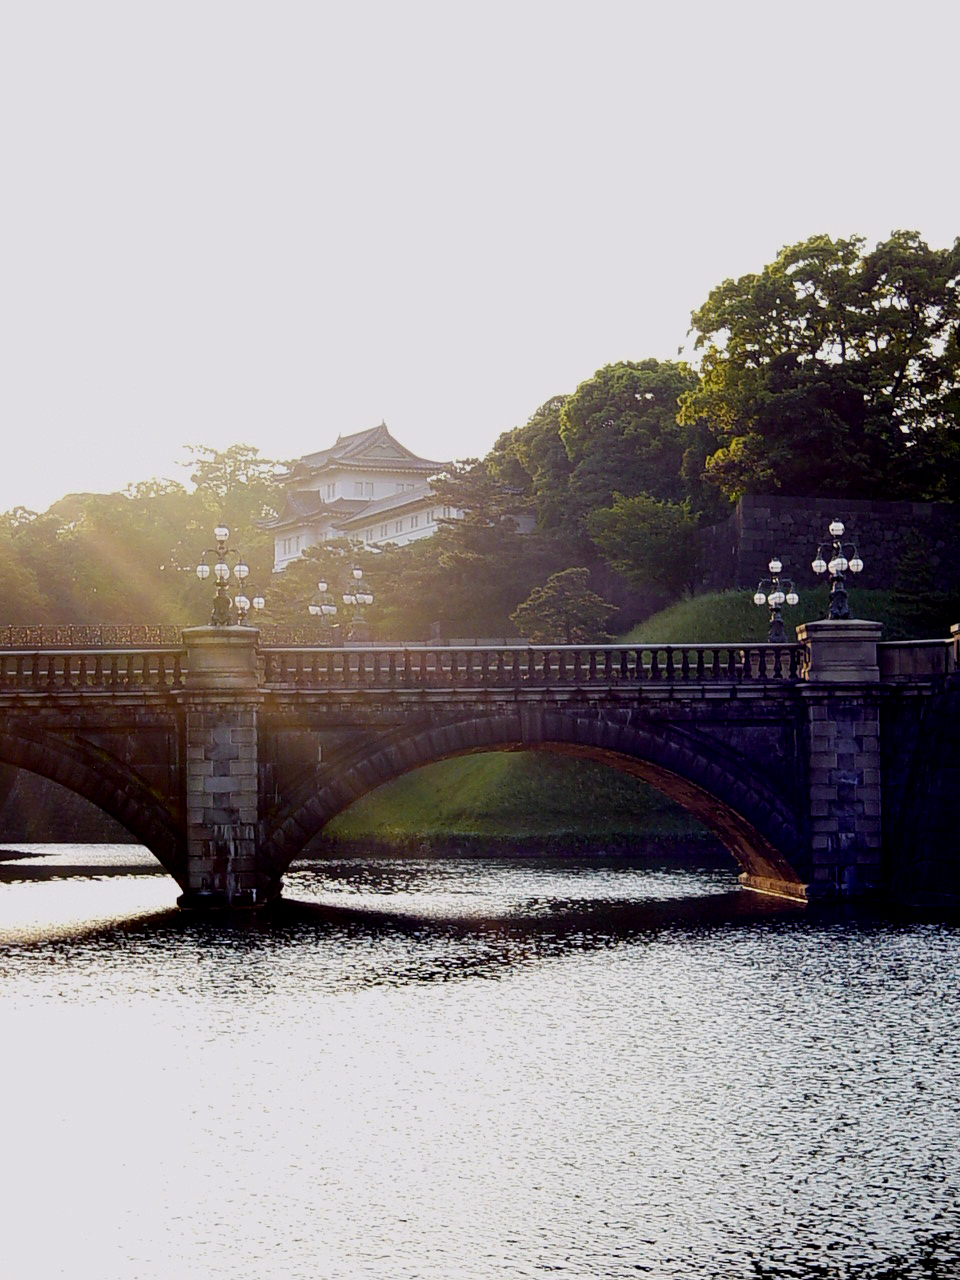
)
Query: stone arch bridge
[{"x": 828, "y": 767}]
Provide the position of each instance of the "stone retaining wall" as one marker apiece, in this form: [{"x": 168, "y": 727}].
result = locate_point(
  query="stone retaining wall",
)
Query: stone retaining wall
[{"x": 735, "y": 554}]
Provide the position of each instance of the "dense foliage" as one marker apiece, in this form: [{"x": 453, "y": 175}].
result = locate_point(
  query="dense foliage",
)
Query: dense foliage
[
  {"x": 834, "y": 370},
  {"x": 130, "y": 557}
]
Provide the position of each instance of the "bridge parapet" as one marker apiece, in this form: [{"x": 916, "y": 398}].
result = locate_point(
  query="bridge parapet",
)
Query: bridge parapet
[
  {"x": 112, "y": 671},
  {"x": 534, "y": 666},
  {"x": 902, "y": 660},
  {"x": 94, "y": 636}
]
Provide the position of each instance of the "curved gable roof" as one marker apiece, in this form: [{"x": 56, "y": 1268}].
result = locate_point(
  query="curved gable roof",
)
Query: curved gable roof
[{"x": 375, "y": 447}]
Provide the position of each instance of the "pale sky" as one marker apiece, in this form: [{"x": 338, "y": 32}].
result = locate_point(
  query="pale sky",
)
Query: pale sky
[{"x": 271, "y": 223}]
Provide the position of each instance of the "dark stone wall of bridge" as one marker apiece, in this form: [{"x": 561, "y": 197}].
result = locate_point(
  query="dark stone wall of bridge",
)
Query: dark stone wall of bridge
[
  {"x": 127, "y": 763},
  {"x": 34, "y": 809},
  {"x": 922, "y": 793}
]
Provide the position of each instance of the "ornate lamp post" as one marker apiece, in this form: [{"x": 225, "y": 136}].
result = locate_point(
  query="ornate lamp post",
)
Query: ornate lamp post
[
  {"x": 357, "y": 597},
  {"x": 222, "y": 615},
  {"x": 838, "y": 565},
  {"x": 770, "y": 591},
  {"x": 322, "y": 606}
]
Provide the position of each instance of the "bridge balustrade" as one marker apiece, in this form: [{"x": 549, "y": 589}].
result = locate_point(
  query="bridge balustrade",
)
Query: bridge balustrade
[
  {"x": 49, "y": 671},
  {"x": 540, "y": 666}
]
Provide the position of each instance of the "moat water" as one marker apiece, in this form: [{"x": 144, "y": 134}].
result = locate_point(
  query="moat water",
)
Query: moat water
[{"x": 448, "y": 1070}]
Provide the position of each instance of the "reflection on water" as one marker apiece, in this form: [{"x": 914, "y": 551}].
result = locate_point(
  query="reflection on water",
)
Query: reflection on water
[{"x": 471, "y": 1069}]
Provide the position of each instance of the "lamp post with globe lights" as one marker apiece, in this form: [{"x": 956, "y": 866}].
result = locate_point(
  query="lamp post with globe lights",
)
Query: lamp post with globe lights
[
  {"x": 838, "y": 564},
  {"x": 223, "y": 605},
  {"x": 357, "y": 597},
  {"x": 322, "y": 606},
  {"x": 776, "y": 592}
]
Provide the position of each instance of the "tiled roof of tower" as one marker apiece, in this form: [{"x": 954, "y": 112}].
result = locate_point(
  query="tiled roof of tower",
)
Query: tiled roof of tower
[
  {"x": 373, "y": 447},
  {"x": 306, "y": 505},
  {"x": 408, "y": 498}
]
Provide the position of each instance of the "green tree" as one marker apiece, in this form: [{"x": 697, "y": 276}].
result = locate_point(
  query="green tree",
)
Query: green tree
[
  {"x": 533, "y": 459},
  {"x": 653, "y": 544},
  {"x": 563, "y": 611},
  {"x": 834, "y": 370},
  {"x": 621, "y": 434}
]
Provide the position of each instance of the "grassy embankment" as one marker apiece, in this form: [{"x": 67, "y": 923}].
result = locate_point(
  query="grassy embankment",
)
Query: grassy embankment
[
  {"x": 509, "y": 799},
  {"x": 512, "y": 800},
  {"x": 732, "y": 615}
]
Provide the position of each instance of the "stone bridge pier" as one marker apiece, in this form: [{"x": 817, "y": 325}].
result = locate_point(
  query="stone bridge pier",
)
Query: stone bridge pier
[
  {"x": 220, "y": 701},
  {"x": 842, "y": 717}
]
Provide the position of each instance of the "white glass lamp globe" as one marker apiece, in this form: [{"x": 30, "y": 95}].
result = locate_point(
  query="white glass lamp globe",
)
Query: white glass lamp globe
[
  {"x": 259, "y": 602},
  {"x": 365, "y": 597},
  {"x": 856, "y": 565},
  {"x": 759, "y": 598},
  {"x": 321, "y": 586},
  {"x": 328, "y": 609},
  {"x": 221, "y": 571},
  {"x": 221, "y": 533},
  {"x": 836, "y": 528},
  {"x": 314, "y": 609},
  {"x": 792, "y": 598},
  {"x": 242, "y": 602},
  {"x": 241, "y": 571},
  {"x": 775, "y": 565},
  {"x": 358, "y": 573},
  {"x": 349, "y": 598},
  {"x": 834, "y": 565},
  {"x": 819, "y": 565},
  {"x": 203, "y": 572},
  {"x": 777, "y": 597}
]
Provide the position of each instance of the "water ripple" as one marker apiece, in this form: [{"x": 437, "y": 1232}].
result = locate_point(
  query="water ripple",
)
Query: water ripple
[{"x": 476, "y": 1070}]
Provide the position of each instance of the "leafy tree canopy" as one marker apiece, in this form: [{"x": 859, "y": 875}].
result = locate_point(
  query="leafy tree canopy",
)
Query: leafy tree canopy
[
  {"x": 835, "y": 371},
  {"x": 653, "y": 544},
  {"x": 533, "y": 460},
  {"x": 563, "y": 611},
  {"x": 621, "y": 433}
]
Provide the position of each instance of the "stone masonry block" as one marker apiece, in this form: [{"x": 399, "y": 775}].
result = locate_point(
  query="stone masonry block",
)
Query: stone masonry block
[
  {"x": 218, "y": 786},
  {"x": 826, "y": 760}
]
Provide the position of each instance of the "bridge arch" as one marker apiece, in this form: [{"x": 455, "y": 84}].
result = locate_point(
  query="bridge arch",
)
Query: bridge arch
[
  {"x": 104, "y": 782},
  {"x": 754, "y": 821}
]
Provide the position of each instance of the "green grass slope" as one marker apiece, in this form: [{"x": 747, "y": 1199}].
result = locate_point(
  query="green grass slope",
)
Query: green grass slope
[
  {"x": 728, "y": 616},
  {"x": 505, "y": 796}
]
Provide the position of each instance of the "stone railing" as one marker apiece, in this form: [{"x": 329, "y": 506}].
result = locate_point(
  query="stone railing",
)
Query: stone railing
[
  {"x": 916, "y": 659},
  {"x": 74, "y": 670},
  {"x": 543, "y": 666},
  {"x": 70, "y": 636}
]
